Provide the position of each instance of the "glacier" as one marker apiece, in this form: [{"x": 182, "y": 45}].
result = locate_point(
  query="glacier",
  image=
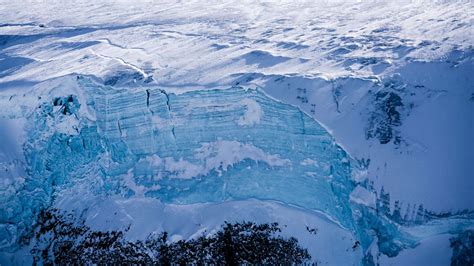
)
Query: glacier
[
  {"x": 202, "y": 146},
  {"x": 352, "y": 117}
]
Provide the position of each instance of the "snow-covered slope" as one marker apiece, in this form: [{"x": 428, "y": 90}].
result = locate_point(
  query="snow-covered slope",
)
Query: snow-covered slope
[{"x": 315, "y": 105}]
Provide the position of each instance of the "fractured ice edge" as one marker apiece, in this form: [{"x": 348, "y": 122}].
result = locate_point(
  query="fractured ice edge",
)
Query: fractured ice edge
[{"x": 206, "y": 146}]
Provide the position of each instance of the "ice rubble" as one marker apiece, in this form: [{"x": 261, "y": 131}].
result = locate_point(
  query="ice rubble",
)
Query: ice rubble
[{"x": 189, "y": 148}]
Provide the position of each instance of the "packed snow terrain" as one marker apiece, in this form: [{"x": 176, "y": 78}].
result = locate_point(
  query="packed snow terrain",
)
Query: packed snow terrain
[{"x": 355, "y": 118}]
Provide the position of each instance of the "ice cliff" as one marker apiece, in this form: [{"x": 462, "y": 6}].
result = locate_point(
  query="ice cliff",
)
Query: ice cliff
[{"x": 201, "y": 146}]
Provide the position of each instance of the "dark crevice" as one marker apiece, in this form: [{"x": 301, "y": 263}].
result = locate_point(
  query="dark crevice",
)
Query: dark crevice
[
  {"x": 148, "y": 101},
  {"x": 302, "y": 122},
  {"x": 119, "y": 127},
  {"x": 148, "y": 98},
  {"x": 169, "y": 110},
  {"x": 167, "y": 99},
  {"x": 336, "y": 93},
  {"x": 172, "y": 132}
]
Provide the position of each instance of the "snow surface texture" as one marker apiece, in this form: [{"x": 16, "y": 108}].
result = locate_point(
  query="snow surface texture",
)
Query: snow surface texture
[{"x": 148, "y": 101}]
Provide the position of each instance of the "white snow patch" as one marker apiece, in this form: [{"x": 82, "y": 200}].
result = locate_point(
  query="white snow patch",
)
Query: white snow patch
[
  {"x": 253, "y": 114},
  {"x": 159, "y": 122},
  {"x": 139, "y": 190},
  {"x": 68, "y": 125},
  {"x": 182, "y": 168},
  {"x": 154, "y": 160},
  {"x": 130, "y": 183},
  {"x": 360, "y": 175},
  {"x": 311, "y": 174},
  {"x": 221, "y": 154},
  {"x": 308, "y": 161},
  {"x": 331, "y": 246},
  {"x": 362, "y": 196},
  {"x": 218, "y": 156}
]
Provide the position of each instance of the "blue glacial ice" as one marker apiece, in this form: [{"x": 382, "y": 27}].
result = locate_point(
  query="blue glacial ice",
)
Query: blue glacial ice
[{"x": 194, "y": 147}]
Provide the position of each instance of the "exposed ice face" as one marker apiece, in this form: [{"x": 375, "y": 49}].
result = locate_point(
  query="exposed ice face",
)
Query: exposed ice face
[
  {"x": 200, "y": 146},
  {"x": 202, "y": 139}
]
